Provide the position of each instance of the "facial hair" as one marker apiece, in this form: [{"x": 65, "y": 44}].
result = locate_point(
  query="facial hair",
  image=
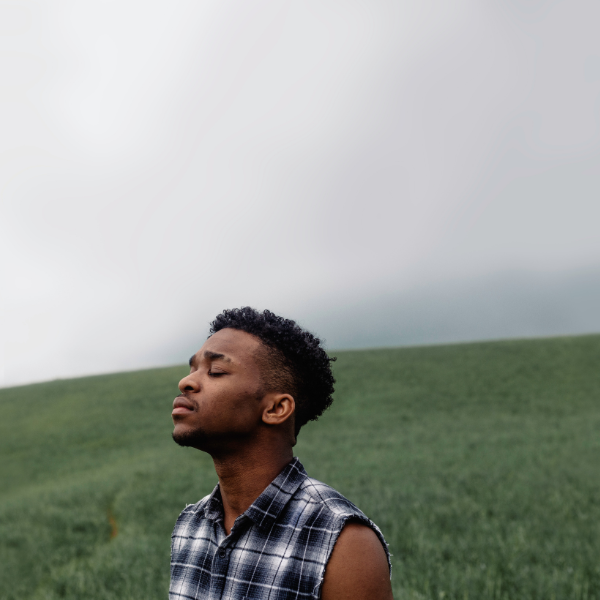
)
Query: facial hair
[{"x": 190, "y": 438}]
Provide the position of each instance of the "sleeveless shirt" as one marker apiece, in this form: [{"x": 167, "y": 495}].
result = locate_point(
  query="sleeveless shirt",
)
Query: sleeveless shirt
[{"x": 277, "y": 550}]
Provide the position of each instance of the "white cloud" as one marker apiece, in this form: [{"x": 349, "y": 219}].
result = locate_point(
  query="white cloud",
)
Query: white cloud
[{"x": 161, "y": 161}]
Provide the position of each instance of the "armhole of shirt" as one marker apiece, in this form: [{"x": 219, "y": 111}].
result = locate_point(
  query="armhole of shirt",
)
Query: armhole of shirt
[{"x": 341, "y": 522}]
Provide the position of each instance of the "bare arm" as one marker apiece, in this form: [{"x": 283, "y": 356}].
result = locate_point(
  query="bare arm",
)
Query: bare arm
[{"x": 358, "y": 567}]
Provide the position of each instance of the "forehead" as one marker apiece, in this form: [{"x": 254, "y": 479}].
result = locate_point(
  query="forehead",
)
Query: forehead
[{"x": 234, "y": 344}]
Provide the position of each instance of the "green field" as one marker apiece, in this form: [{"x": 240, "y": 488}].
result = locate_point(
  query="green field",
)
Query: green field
[{"x": 480, "y": 463}]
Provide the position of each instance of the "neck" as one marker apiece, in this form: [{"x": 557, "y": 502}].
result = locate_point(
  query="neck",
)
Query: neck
[{"x": 245, "y": 475}]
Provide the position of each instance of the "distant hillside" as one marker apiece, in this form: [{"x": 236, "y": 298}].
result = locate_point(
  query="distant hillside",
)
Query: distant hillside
[{"x": 480, "y": 462}]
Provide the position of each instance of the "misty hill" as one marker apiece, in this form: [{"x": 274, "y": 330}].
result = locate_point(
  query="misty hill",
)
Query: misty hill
[{"x": 478, "y": 461}]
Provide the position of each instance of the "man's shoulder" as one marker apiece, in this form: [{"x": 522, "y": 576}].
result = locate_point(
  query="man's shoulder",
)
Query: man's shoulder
[
  {"x": 197, "y": 507},
  {"x": 327, "y": 502},
  {"x": 192, "y": 511},
  {"x": 327, "y": 499}
]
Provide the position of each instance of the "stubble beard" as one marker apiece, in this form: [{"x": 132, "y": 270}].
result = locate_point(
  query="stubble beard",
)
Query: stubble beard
[
  {"x": 190, "y": 438},
  {"x": 203, "y": 440}
]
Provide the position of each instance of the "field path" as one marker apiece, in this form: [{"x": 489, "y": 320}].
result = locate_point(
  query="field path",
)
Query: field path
[{"x": 114, "y": 528}]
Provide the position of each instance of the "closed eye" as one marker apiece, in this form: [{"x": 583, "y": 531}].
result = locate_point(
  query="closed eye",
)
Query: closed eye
[{"x": 216, "y": 373}]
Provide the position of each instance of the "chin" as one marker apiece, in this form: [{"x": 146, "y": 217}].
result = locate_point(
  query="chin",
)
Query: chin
[{"x": 191, "y": 438}]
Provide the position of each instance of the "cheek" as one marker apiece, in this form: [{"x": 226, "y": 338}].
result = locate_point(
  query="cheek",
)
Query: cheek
[
  {"x": 243, "y": 407},
  {"x": 230, "y": 401}
]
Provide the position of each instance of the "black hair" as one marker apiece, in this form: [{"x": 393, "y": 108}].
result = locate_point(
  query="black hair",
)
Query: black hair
[{"x": 297, "y": 364}]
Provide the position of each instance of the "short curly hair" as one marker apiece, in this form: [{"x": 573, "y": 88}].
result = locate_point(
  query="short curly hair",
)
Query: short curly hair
[{"x": 297, "y": 364}]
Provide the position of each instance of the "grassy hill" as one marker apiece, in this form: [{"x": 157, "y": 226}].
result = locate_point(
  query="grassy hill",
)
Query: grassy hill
[{"x": 480, "y": 462}]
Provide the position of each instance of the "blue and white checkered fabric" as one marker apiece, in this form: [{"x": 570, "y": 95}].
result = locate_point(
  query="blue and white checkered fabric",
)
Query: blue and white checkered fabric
[{"x": 277, "y": 549}]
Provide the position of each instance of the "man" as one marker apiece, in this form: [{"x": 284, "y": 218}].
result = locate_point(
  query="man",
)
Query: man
[{"x": 267, "y": 531}]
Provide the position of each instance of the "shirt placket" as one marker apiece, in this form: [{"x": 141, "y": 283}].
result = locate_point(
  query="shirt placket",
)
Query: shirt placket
[{"x": 222, "y": 555}]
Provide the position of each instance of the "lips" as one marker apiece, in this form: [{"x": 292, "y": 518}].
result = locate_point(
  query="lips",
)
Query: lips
[{"x": 182, "y": 406}]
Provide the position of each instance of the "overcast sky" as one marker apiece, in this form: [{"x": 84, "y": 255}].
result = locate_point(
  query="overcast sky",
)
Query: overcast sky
[{"x": 385, "y": 172}]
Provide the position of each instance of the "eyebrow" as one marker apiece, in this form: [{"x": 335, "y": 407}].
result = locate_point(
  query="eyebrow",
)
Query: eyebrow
[
  {"x": 210, "y": 356},
  {"x": 215, "y": 356}
]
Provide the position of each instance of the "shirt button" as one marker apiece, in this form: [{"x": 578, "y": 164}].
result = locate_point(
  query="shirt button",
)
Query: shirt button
[{"x": 222, "y": 553}]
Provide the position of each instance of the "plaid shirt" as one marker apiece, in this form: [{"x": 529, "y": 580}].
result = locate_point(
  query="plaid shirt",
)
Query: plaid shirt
[{"x": 277, "y": 549}]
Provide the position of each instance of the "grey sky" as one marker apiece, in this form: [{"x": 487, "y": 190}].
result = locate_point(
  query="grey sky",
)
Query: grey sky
[{"x": 386, "y": 172}]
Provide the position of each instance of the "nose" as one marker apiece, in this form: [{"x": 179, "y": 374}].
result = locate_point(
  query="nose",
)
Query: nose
[{"x": 189, "y": 384}]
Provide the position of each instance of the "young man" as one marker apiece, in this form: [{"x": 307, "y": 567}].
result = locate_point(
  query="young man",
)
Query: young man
[{"x": 267, "y": 531}]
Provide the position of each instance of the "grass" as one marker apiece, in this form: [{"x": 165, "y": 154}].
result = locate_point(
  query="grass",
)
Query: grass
[{"x": 480, "y": 462}]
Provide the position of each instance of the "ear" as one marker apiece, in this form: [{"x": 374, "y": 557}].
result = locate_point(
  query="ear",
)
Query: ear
[{"x": 279, "y": 408}]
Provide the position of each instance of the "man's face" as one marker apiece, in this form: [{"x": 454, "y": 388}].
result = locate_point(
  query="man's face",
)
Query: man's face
[{"x": 220, "y": 402}]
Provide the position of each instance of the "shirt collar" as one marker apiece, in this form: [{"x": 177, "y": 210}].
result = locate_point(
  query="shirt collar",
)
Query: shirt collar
[
  {"x": 268, "y": 506},
  {"x": 213, "y": 509}
]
